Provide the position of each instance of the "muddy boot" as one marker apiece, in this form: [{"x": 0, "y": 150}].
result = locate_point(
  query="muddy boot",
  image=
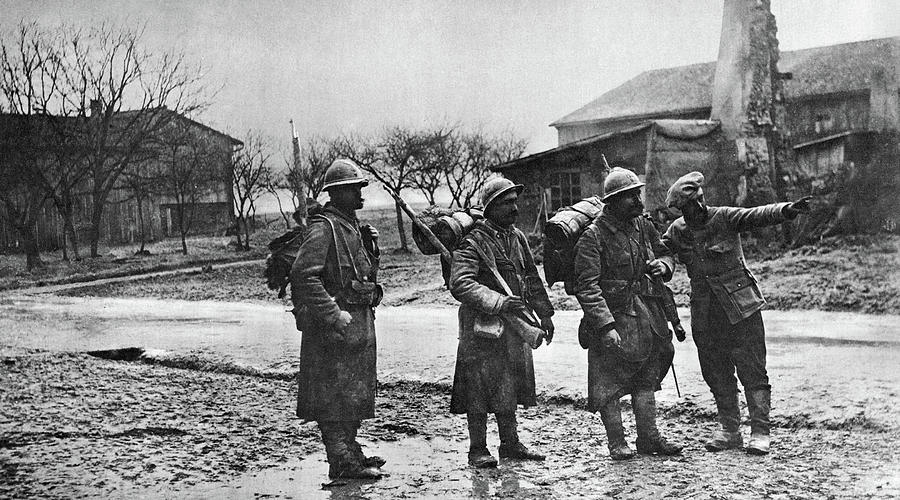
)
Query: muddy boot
[
  {"x": 350, "y": 468},
  {"x": 611, "y": 415},
  {"x": 759, "y": 402},
  {"x": 729, "y": 436},
  {"x": 510, "y": 446},
  {"x": 479, "y": 456},
  {"x": 351, "y": 428},
  {"x": 649, "y": 442},
  {"x": 342, "y": 461}
]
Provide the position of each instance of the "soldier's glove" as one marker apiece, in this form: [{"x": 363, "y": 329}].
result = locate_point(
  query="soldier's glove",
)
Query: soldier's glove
[
  {"x": 547, "y": 326},
  {"x": 800, "y": 206},
  {"x": 680, "y": 334},
  {"x": 343, "y": 320},
  {"x": 513, "y": 305},
  {"x": 656, "y": 268},
  {"x": 611, "y": 338}
]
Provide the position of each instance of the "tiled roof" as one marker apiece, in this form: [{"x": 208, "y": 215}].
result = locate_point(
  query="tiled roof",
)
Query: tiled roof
[{"x": 845, "y": 67}]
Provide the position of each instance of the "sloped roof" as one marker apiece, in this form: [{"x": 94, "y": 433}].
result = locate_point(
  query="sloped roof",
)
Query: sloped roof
[{"x": 845, "y": 67}]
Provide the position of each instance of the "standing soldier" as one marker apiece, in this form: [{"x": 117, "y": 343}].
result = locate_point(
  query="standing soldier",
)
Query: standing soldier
[
  {"x": 726, "y": 301},
  {"x": 495, "y": 374},
  {"x": 619, "y": 267},
  {"x": 334, "y": 291}
]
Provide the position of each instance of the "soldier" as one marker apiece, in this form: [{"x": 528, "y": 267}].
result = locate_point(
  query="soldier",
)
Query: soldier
[
  {"x": 620, "y": 265},
  {"x": 334, "y": 291},
  {"x": 726, "y": 322},
  {"x": 494, "y": 375}
]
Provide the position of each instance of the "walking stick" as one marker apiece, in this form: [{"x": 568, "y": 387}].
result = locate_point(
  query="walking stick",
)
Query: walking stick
[{"x": 676, "y": 379}]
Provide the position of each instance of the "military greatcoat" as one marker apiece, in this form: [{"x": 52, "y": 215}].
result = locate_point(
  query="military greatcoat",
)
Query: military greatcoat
[
  {"x": 614, "y": 291},
  {"x": 493, "y": 375},
  {"x": 337, "y": 376}
]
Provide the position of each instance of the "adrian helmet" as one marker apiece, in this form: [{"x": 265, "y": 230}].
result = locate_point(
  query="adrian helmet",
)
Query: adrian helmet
[
  {"x": 618, "y": 181},
  {"x": 496, "y": 187},
  {"x": 342, "y": 172}
]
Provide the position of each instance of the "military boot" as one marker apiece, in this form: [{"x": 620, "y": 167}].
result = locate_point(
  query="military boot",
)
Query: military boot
[
  {"x": 759, "y": 402},
  {"x": 611, "y": 415},
  {"x": 349, "y": 467},
  {"x": 479, "y": 456},
  {"x": 351, "y": 428},
  {"x": 649, "y": 442},
  {"x": 729, "y": 436},
  {"x": 510, "y": 446}
]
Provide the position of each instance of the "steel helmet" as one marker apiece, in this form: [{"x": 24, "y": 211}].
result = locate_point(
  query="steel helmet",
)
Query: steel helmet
[
  {"x": 342, "y": 172},
  {"x": 618, "y": 181},
  {"x": 493, "y": 188}
]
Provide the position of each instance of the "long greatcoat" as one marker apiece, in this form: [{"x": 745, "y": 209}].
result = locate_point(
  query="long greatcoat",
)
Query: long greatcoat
[
  {"x": 337, "y": 377},
  {"x": 614, "y": 292},
  {"x": 493, "y": 375},
  {"x": 714, "y": 258}
]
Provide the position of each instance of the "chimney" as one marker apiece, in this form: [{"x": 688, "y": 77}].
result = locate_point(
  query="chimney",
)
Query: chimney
[
  {"x": 742, "y": 88},
  {"x": 96, "y": 108}
]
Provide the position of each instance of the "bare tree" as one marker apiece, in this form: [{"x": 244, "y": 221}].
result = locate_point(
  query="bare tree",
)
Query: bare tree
[
  {"x": 188, "y": 167},
  {"x": 250, "y": 170},
  {"x": 392, "y": 161},
  {"x": 21, "y": 194},
  {"x": 478, "y": 153},
  {"x": 32, "y": 85},
  {"x": 439, "y": 155},
  {"x": 141, "y": 181},
  {"x": 128, "y": 95}
]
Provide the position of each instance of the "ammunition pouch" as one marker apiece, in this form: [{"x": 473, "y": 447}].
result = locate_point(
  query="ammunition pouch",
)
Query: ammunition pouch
[
  {"x": 738, "y": 293},
  {"x": 362, "y": 293}
]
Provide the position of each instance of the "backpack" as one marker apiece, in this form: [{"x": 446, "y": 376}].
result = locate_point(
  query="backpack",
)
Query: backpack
[
  {"x": 561, "y": 233},
  {"x": 282, "y": 253}
]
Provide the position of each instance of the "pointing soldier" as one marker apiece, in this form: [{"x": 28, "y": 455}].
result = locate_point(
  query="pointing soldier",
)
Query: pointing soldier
[
  {"x": 495, "y": 374},
  {"x": 334, "y": 292},
  {"x": 726, "y": 322},
  {"x": 620, "y": 265}
]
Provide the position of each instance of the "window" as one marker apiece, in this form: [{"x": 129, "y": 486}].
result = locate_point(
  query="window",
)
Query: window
[{"x": 565, "y": 189}]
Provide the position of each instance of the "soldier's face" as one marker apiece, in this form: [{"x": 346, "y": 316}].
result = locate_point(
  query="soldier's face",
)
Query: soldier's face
[
  {"x": 348, "y": 197},
  {"x": 504, "y": 210},
  {"x": 694, "y": 210},
  {"x": 628, "y": 203}
]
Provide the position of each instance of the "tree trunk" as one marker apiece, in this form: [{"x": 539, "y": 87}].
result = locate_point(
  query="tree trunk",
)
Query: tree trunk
[
  {"x": 401, "y": 228},
  {"x": 184, "y": 243},
  {"x": 29, "y": 241},
  {"x": 140, "y": 210},
  {"x": 70, "y": 237},
  {"x": 239, "y": 224}
]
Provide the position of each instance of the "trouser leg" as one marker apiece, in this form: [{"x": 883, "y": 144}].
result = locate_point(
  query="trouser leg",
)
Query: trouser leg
[
  {"x": 477, "y": 431},
  {"x": 479, "y": 456},
  {"x": 508, "y": 429},
  {"x": 749, "y": 356},
  {"x": 335, "y": 441},
  {"x": 649, "y": 441},
  {"x": 611, "y": 415}
]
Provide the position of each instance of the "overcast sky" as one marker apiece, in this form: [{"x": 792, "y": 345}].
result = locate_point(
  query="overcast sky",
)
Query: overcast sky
[{"x": 341, "y": 65}]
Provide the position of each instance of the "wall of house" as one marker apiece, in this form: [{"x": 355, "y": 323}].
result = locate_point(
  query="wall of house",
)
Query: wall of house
[{"x": 821, "y": 116}]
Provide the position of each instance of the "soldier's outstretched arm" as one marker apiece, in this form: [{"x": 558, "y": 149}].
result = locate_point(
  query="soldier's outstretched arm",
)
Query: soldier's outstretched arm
[
  {"x": 588, "y": 270},
  {"x": 463, "y": 284},
  {"x": 307, "y": 282},
  {"x": 744, "y": 219}
]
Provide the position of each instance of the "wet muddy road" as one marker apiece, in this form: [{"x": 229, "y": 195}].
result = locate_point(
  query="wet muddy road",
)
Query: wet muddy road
[{"x": 73, "y": 425}]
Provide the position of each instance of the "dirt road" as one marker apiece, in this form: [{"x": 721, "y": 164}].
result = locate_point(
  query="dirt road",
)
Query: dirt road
[{"x": 75, "y": 425}]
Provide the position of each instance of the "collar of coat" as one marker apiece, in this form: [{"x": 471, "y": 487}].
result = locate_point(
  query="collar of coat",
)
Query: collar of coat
[
  {"x": 498, "y": 230},
  {"x": 614, "y": 223},
  {"x": 352, "y": 221}
]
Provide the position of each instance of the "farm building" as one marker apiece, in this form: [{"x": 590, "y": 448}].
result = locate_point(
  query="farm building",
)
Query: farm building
[
  {"x": 837, "y": 101},
  {"x": 212, "y": 210}
]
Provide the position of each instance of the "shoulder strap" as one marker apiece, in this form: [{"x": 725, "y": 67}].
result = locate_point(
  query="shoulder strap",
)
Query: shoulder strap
[
  {"x": 336, "y": 254},
  {"x": 492, "y": 265}
]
